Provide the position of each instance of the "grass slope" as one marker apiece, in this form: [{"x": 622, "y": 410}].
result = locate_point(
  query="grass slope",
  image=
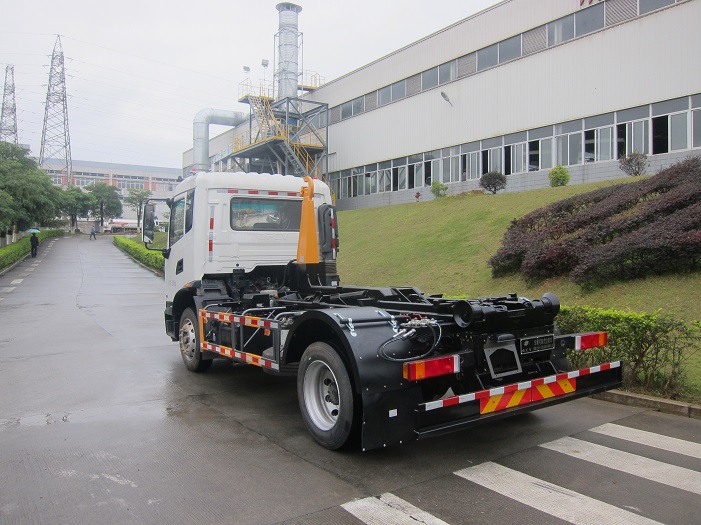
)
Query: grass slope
[{"x": 442, "y": 246}]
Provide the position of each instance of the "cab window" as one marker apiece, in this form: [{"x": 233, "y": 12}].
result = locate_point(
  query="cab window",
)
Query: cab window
[
  {"x": 250, "y": 214},
  {"x": 181, "y": 216}
]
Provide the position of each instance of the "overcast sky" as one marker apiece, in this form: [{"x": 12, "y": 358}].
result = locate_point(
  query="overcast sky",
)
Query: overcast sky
[{"x": 137, "y": 71}]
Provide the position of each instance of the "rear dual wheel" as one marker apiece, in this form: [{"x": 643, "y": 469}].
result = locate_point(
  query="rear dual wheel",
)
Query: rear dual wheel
[{"x": 326, "y": 398}]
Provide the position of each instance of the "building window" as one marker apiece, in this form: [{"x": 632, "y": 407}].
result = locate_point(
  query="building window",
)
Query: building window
[
  {"x": 447, "y": 72},
  {"x": 384, "y": 96},
  {"x": 546, "y": 154},
  {"x": 589, "y": 20},
  {"x": 632, "y": 137},
  {"x": 487, "y": 57},
  {"x": 678, "y": 128},
  {"x": 491, "y": 160},
  {"x": 604, "y": 143},
  {"x": 669, "y": 133},
  {"x": 429, "y": 79},
  {"x": 354, "y": 107},
  {"x": 398, "y": 90},
  {"x": 561, "y": 30},
  {"x": 650, "y": 5},
  {"x": 510, "y": 49},
  {"x": 472, "y": 161},
  {"x": 518, "y": 161},
  {"x": 568, "y": 149},
  {"x": 697, "y": 129}
]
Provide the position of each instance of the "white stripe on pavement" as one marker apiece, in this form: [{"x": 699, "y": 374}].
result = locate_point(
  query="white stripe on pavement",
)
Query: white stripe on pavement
[
  {"x": 389, "y": 509},
  {"x": 679, "y": 446},
  {"x": 7, "y": 289},
  {"x": 16, "y": 281},
  {"x": 671, "y": 475},
  {"x": 554, "y": 500}
]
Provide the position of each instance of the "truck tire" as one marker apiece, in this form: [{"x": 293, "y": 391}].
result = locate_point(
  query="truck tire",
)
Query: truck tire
[
  {"x": 189, "y": 337},
  {"x": 326, "y": 397}
]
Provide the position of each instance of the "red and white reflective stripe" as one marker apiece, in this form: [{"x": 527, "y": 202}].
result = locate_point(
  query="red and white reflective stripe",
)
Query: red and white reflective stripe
[
  {"x": 265, "y": 193},
  {"x": 466, "y": 398},
  {"x": 255, "y": 322},
  {"x": 210, "y": 241},
  {"x": 251, "y": 359}
]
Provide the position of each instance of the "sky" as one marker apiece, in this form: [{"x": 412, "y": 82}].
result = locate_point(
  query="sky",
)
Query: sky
[{"x": 137, "y": 71}]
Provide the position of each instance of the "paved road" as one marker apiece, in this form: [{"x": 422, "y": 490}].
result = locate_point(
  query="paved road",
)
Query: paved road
[{"x": 101, "y": 423}]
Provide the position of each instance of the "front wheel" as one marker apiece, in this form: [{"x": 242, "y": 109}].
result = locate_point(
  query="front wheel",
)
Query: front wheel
[
  {"x": 326, "y": 397},
  {"x": 189, "y": 337}
]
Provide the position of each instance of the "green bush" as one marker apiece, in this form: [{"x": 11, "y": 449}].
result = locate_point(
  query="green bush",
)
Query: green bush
[
  {"x": 12, "y": 253},
  {"x": 634, "y": 165},
  {"x": 439, "y": 189},
  {"x": 150, "y": 258},
  {"x": 493, "y": 182},
  {"x": 653, "y": 347},
  {"x": 559, "y": 176}
]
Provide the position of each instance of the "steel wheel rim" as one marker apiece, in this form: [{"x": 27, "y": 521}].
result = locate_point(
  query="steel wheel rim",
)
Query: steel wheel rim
[
  {"x": 321, "y": 395},
  {"x": 188, "y": 342}
]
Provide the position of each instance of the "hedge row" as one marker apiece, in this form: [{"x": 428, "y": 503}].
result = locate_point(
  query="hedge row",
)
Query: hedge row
[
  {"x": 12, "y": 253},
  {"x": 629, "y": 230},
  {"x": 654, "y": 347},
  {"x": 150, "y": 258}
]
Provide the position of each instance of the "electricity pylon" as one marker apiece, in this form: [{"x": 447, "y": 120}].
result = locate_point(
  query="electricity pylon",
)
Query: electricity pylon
[
  {"x": 55, "y": 138},
  {"x": 8, "y": 120}
]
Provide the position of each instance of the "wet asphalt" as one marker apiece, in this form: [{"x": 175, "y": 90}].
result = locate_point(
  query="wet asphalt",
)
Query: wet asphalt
[{"x": 100, "y": 422}]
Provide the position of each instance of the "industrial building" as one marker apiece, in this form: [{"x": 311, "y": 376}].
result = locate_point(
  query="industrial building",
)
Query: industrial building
[
  {"x": 518, "y": 88},
  {"x": 159, "y": 181}
]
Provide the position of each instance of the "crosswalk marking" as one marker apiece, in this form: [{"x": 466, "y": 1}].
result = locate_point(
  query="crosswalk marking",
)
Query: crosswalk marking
[
  {"x": 7, "y": 289},
  {"x": 640, "y": 466},
  {"x": 687, "y": 448},
  {"x": 16, "y": 281},
  {"x": 387, "y": 509},
  {"x": 562, "y": 503}
]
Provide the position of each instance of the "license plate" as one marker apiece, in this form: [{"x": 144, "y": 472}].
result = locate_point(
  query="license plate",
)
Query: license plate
[{"x": 540, "y": 343}]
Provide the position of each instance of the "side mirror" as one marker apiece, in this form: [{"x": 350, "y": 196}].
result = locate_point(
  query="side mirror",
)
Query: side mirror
[{"x": 149, "y": 224}]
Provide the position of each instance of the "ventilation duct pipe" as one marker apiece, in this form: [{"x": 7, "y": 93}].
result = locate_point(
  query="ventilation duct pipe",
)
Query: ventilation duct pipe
[
  {"x": 288, "y": 50},
  {"x": 200, "y": 132}
]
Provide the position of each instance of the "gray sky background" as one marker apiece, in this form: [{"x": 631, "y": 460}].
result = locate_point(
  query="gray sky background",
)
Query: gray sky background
[{"x": 137, "y": 71}]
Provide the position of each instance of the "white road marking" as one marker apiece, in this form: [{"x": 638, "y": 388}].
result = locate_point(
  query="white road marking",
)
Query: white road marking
[
  {"x": 560, "y": 502},
  {"x": 671, "y": 475},
  {"x": 7, "y": 289},
  {"x": 16, "y": 281},
  {"x": 389, "y": 509},
  {"x": 679, "y": 446}
]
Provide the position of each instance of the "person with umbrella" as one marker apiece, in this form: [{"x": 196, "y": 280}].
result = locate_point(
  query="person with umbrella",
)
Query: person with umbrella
[{"x": 34, "y": 241}]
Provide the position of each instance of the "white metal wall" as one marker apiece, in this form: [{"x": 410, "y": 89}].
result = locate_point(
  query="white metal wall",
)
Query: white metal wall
[
  {"x": 504, "y": 20},
  {"x": 647, "y": 59}
]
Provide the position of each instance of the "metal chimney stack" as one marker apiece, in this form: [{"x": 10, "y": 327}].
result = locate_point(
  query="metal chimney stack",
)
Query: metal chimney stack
[{"x": 288, "y": 50}]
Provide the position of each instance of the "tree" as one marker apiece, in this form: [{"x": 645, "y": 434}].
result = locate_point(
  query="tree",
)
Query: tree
[
  {"x": 493, "y": 182},
  {"x": 439, "y": 189},
  {"x": 76, "y": 203},
  {"x": 634, "y": 164},
  {"x": 107, "y": 203},
  {"x": 134, "y": 199},
  {"x": 559, "y": 176},
  {"x": 27, "y": 196}
]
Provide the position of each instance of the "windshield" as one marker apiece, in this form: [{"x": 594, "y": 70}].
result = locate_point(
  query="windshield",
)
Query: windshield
[{"x": 251, "y": 214}]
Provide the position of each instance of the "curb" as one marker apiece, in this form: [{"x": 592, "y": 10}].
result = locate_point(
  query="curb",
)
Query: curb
[{"x": 667, "y": 406}]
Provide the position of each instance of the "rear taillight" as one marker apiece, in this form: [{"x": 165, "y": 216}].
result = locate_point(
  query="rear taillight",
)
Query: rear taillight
[
  {"x": 434, "y": 367},
  {"x": 590, "y": 340}
]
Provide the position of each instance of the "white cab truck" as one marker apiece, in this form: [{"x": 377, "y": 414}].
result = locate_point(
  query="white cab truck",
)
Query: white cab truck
[{"x": 250, "y": 276}]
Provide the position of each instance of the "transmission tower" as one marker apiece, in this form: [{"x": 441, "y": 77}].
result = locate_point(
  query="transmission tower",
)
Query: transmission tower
[
  {"x": 8, "y": 120},
  {"x": 55, "y": 139}
]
